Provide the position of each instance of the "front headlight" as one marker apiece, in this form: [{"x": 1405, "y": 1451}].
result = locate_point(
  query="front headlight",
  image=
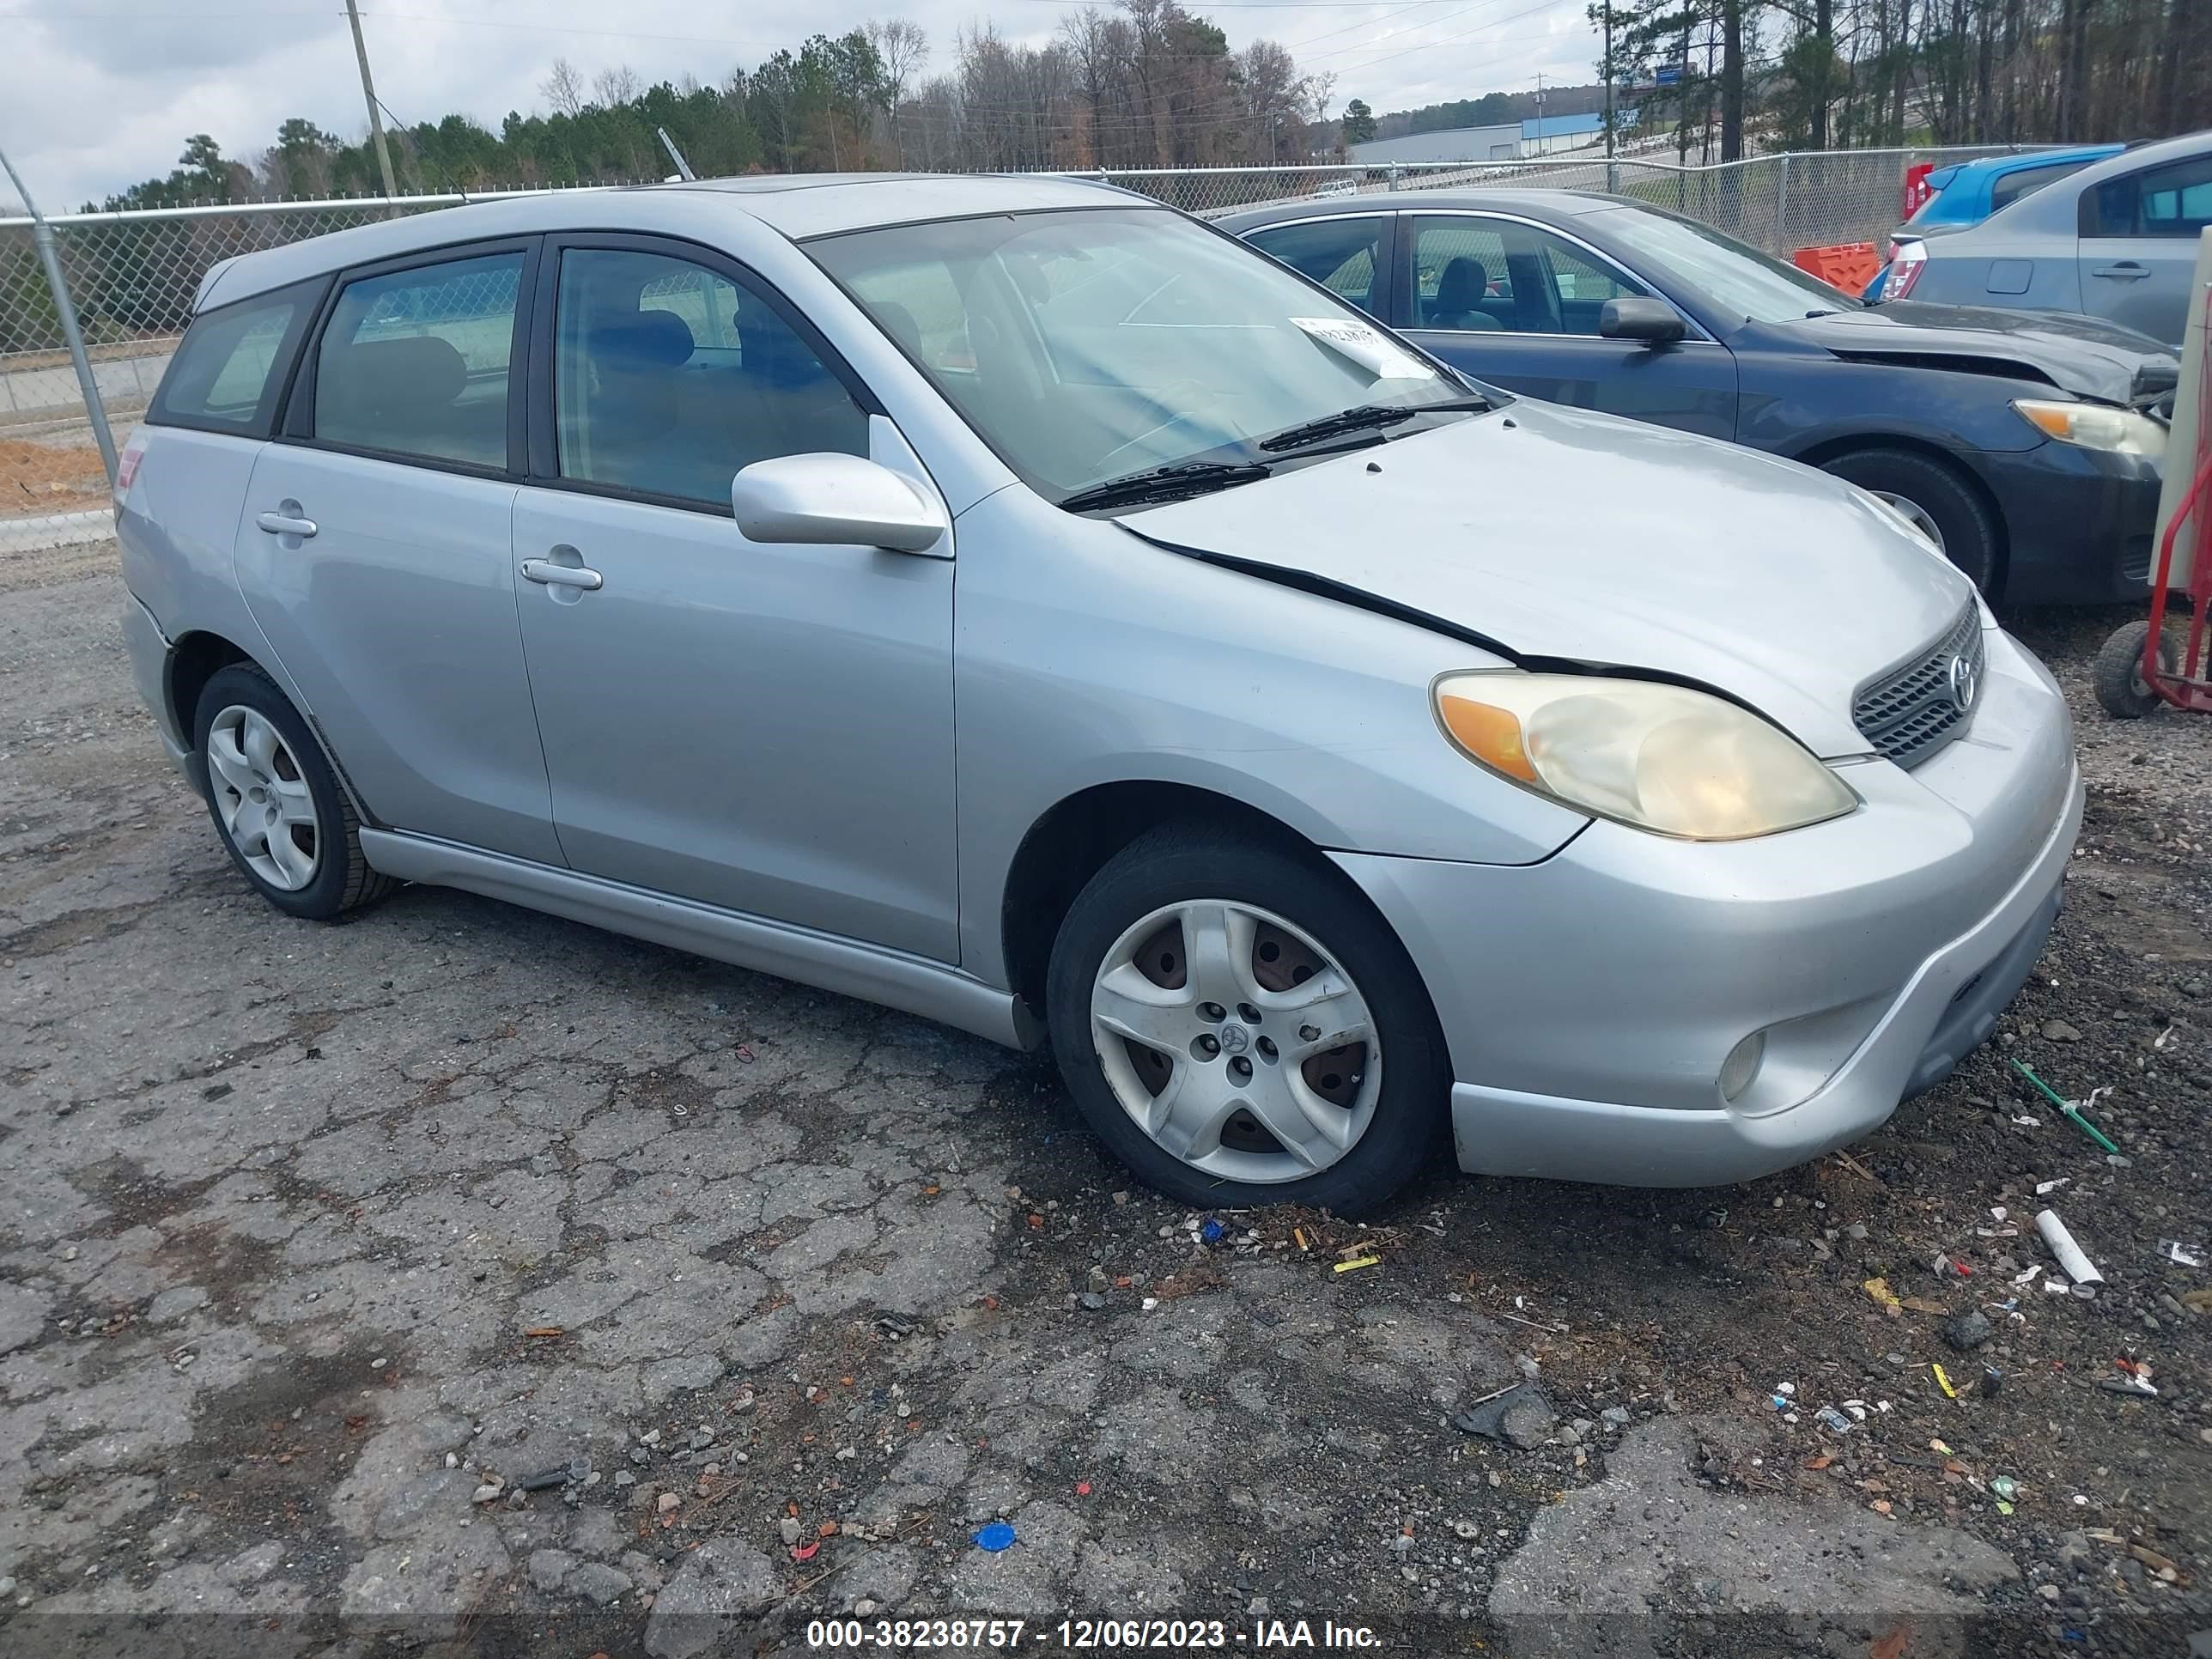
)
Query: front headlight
[
  {"x": 1659, "y": 757},
  {"x": 2096, "y": 426}
]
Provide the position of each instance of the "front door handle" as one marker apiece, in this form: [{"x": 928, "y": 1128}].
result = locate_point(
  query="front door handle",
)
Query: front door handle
[
  {"x": 2126, "y": 271},
  {"x": 286, "y": 524},
  {"x": 560, "y": 575}
]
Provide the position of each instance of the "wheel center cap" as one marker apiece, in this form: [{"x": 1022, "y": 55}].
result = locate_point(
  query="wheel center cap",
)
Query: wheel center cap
[{"x": 1234, "y": 1038}]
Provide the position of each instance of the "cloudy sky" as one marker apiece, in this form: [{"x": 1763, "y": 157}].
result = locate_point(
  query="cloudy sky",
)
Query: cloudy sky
[{"x": 96, "y": 95}]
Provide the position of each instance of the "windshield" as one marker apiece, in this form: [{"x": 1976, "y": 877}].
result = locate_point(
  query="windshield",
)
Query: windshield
[
  {"x": 1086, "y": 346},
  {"x": 1730, "y": 278}
]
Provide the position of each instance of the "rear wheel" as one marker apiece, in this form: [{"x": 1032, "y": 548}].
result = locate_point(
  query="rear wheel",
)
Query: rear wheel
[
  {"x": 1940, "y": 504},
  {"x": 2122, "y": 691},
  {"x": 276, "y": 805},
  {"x": 1240, "y": 1028}
]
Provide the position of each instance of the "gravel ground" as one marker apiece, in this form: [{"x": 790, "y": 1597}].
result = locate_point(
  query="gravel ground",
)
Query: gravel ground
[{"x": 467, "y": 1280}]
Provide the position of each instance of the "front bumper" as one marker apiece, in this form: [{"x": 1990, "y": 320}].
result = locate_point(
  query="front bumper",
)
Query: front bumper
[
  {"x": 1590, "y": 1001},
  {"x": 2079, "y": 523}
]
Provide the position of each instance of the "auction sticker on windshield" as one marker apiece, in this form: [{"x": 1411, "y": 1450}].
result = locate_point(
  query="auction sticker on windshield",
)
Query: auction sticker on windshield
[{"x": 1366, "y": 347}]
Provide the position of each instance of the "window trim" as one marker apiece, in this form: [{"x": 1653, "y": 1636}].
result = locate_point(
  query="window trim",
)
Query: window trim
[
  {"x": 1699, "y": 334},
  {"x": 297, "y": 428},
  {"x": 542, "y": 453},
  {"x": 1386, "y": 257},
  {"x": 269, "y": 408}
]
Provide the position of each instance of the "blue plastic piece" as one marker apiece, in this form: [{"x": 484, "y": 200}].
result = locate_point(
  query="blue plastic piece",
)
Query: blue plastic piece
[
  {"x": 1213, "y": 1232},
  {"x": 996, "y": 1537}
]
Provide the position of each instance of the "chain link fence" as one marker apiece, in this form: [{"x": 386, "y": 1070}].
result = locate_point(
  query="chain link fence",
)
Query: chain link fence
[{"x": 132, "y": 277}]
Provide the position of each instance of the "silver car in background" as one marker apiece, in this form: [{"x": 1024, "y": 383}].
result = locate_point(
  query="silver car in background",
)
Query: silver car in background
[
  {"x": 1015, "y": 603},
  {"x": 2117, "y": 241}
]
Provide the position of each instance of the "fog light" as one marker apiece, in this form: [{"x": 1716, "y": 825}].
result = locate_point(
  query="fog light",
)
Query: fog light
[{"x": 1741, "y": 1066}]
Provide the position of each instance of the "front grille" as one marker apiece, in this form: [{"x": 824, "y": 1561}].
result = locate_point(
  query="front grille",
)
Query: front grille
[{"x": 1913, "y": 710}]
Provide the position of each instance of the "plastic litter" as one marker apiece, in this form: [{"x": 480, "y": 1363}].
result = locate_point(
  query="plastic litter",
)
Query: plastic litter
[
  {"x": 995, "y": 1538},
  {"x": 2078, "y": 1266},
  {"x": 1358, "y": 1262},
  {"x": 1212, "y": 1231},
  {"x": 1944, "y": 1382},
  {"x": 1992, "y": 1380},
  {"x": 2072, "y": 1108},
  {"x": 1834, "y": 1420},
  {"x": 2044, "y": 1188},
  {"x": 2141, "y": 1388},
  {"x": 2004, "y": 1486},
  {"x": 1880, "y": 1291},
  {"x": 2186, "y": 1255}
]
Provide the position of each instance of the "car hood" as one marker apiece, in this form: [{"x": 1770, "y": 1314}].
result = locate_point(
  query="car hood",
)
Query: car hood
[
  {"x": 1564, "y": 537},
  {"x": 2086, "y": 356}
]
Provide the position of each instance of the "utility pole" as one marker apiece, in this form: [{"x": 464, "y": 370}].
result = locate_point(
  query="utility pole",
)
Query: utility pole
[
  {"x": 1539, "y": 112},
  {"x": 368, "y": 92},
  {"x": 1608, "y": 94}
]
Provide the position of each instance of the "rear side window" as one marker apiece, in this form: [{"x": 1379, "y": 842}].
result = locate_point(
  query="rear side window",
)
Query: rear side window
[
  {"x": 1341, "y": 254},
  {"x": 2175, "y": 200},
  {"x": 2026, "y": 181},
  {"x": 229, "y": 373},
  {"x": 414, "y": 363}
]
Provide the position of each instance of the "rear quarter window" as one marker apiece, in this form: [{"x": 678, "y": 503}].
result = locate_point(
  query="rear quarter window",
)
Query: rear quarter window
[{"x": 229, "y": 374}]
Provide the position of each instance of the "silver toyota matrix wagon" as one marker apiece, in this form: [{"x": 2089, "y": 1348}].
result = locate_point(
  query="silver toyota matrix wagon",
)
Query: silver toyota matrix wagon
[{"x": 1014, "y": 602}]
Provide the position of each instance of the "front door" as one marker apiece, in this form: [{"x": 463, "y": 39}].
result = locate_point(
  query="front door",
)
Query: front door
[
  {"x": 1517, "y": 305},
  {"x": 2138, "y": 247},
  {"x": 764, "y": 728},
  {"x": 376, "y": 550}
]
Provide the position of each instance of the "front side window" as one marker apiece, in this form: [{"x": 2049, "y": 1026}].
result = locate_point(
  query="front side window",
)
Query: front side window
[
  {"x": 1462, "y": 282},
  {"x": 414, "y": 362},
  {"x": 2169, "y": 201},
  {"x": 1342, "y": 255},
  {"x": 668, "y": 378},
  {"x": 227, "y": 375},
  {"x": 1100, "y": 342}
]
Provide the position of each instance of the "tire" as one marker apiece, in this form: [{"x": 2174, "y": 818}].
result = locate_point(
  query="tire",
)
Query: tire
[
  {"x": 277, "y": 805},
  {"x": 1294, "y": 937},
  {"x": 2118, "y": 673},
  {"x": 1922, "y": 487}
]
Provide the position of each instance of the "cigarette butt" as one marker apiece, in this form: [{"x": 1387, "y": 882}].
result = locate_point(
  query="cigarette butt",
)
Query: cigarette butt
[
  {"x": 1358, "y": 1262},
  {"x": 1944, "y": 1382},
  {"x": 1299, "y": 1233}
]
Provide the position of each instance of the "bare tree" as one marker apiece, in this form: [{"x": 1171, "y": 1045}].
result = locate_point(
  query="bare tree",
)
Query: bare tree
[
  {"x": 613, "y": 87},
  {"x": 563, "y": 89},
  {"x": 901, "y": 48}
]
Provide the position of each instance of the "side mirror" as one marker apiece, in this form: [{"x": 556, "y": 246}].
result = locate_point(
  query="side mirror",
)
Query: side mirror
[
  {"x": 1636, "y": 318},
  {"x": 833, "y": 501}
]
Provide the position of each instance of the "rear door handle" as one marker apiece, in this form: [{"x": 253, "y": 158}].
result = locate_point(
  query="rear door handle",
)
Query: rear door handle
[
  {"x": 284, "y": 524},
  {"x": 2126, "y": 271},
  {"x": 560, "y": 575}
]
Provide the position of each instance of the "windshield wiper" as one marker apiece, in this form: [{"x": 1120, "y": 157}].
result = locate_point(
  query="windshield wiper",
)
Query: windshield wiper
[
  {"x": 1366, "y": 417},
  {"x": 1165, "y": 484}
]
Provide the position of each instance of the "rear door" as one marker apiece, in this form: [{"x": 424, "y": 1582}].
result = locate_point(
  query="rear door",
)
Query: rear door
[
  {"x": 2138, "y": 247},
  {"x": 376, "y": 552},
  {"x": 1517, "y": 304}
]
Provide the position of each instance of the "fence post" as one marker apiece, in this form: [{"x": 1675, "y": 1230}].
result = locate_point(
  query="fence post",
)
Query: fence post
[
  {"x": 42, "y": 235},
  {"x": 1393, "y": 175},
  {"x": 1782, "y": 206}
]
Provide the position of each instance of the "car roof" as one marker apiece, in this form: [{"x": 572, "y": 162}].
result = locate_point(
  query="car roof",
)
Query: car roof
[
  {"x": 1993, "y": 166},
  {"x": 1530, "y": 203},
  {"x": 2052, "y": 210},
  {"x": 795, "y": 205}
]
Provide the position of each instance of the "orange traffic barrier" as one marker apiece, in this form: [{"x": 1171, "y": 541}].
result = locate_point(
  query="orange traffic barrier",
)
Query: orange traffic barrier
[{"x": 1847, "y": 265}]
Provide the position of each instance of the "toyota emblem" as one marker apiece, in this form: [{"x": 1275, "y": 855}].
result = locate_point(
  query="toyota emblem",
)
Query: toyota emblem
[{"x": 1966, "y": 678}]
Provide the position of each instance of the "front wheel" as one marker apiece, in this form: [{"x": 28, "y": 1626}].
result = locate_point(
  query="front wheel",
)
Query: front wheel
[
  {"x": 1240, "y": 1027},
  {"x": 1942, "y": 505}
]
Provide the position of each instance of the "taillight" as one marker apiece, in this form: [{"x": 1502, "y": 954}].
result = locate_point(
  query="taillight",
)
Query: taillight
[
  {"x": 126, "y": 465},
  {"x": 1905, "y": 265}
]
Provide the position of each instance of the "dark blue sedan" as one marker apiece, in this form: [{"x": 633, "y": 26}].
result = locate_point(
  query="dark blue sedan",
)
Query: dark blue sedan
[{"x": 2027, "y": 445}]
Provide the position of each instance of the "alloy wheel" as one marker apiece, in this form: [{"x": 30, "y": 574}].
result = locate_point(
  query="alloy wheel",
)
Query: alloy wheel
[
  {"x": 263, "y": 799},
  {"x": 1922, "y": 520},
  {"x": 1234, "y": 1041}
]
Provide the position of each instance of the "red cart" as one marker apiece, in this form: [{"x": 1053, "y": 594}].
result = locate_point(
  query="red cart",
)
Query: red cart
[{"x": 2141, "y": 666}]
